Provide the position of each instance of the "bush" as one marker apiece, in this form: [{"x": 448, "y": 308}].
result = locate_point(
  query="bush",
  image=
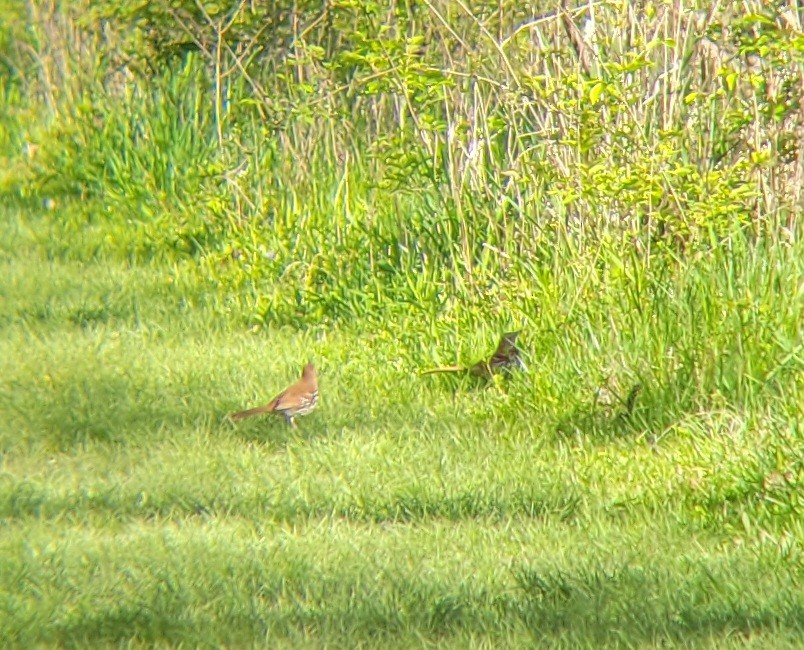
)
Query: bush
[{"x": 339, "y": 162}]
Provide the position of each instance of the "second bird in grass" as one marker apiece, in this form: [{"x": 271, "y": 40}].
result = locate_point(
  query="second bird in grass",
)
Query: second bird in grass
[
  {"x": 298, "y": 399},
  {"x": 506, "y": 357}
]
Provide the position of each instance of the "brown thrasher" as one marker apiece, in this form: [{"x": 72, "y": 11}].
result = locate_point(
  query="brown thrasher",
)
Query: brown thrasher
[
  {"x": 298, "y": 399},
  {"x": 506, "y": 357}
]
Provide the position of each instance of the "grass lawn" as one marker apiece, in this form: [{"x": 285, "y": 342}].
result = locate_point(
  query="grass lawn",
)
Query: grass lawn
[{"x": 404, "y": 512}]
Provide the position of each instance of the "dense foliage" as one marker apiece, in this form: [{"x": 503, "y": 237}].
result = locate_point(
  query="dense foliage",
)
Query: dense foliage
[{"x": 363, "y": 154}]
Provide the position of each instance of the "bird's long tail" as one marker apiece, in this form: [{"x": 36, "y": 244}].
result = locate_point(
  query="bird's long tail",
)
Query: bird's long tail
[
  {"x": 433, "y": 371},
  {"x": 257, "y": 410}
]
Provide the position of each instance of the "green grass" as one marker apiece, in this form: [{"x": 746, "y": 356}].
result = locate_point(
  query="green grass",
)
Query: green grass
[
  {"x": 182, "y": 228},
  {"x": 406, "y": 511}
]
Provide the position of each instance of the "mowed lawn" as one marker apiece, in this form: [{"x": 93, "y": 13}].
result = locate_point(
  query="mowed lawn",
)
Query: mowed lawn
[{"x": 406, "y": 511}]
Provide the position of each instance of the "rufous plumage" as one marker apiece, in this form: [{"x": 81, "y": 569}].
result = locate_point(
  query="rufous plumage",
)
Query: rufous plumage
[{"x": 298, "y": 399}]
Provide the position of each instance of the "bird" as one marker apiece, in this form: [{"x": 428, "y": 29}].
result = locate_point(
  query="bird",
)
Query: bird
[
  {"x": 506, "y": 357},
  {"x": 297, "y": 399}
]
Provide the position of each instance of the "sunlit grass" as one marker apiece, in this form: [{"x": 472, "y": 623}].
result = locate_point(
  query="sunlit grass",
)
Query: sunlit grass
[
  {"x": 177, "y": 239},
  {"x": 406, "y": 511}
]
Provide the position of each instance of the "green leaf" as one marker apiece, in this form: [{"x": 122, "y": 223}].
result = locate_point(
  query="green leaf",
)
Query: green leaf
[
  {"x": 731, "y": 80},
  {"x": 596, "y": 91}
]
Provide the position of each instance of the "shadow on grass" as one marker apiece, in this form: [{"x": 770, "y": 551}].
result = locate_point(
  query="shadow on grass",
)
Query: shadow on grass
[
  {"x": 581, "y": 608},
  {"x": 639, "y": 603},
  {"x": 103, "y": 405},
  {"x": 271, "y": 432}
]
